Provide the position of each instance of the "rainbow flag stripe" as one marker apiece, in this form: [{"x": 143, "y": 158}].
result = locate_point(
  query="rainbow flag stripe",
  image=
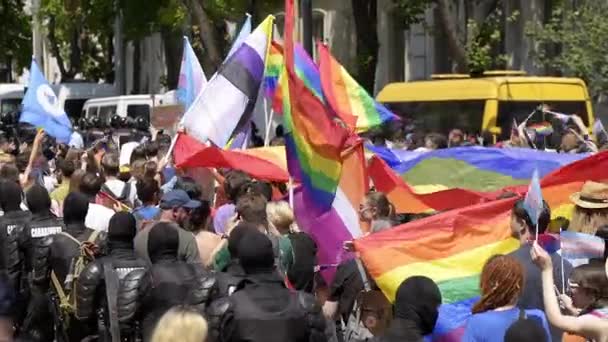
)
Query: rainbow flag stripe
[
  {"x": 307, "y": 71},
  {"x": 347, "y": 98},
  {"x": 272, "y": 71},
  {"x": 542, "y": 129},
  {"x": 314, "y": 143}
]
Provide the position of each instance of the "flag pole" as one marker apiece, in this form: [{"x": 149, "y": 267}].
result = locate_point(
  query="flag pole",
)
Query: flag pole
[
  {"x": 290, "y": 188},
  {"x": 562, "y": 262},
  {"x": 536, "y": 232},
  {"x": 170, "y": 151}
]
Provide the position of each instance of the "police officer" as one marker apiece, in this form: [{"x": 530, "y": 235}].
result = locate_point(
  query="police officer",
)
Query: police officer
[
  {"x": 169, "y": 282},
  {"x": 95, "y": 131},
  {"x": 55, "y": 266},
  {"x": 12, "y": 224},
  {"x": 107, "y": 273},
  {"x": 43, "y": 223},
  {"x": 262, "y": 309}
]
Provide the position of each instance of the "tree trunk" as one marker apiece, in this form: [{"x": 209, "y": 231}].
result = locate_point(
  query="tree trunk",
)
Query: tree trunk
[
  {"x": 136, "y": 67},
  {"x": 173, "y": 52},
  {"x": 365, "y": 13},
  {"x": 55, "y": 48},
  {"x": 212, "y": 58},
  {"x": 455, "y": 46}
]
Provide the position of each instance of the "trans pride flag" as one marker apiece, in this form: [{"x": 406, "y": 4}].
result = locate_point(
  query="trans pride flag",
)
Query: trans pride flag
[{"x": 192, "y": 79}]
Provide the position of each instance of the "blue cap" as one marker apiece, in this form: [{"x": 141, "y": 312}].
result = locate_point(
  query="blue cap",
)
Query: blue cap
[{"x": 178, "y": 199}]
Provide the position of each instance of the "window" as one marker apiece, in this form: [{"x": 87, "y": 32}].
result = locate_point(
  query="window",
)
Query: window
[
  {"x": 9, "y": 105},
  {"x": 137, "y": 110},
  {"x": 442, "y": 116},
  {"x": 106, "y": 112}
]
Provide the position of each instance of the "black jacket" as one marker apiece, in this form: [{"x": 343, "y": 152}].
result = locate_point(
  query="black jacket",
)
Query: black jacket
[
  {"x": 40, "y": 227},
  {"x": 166, "y": 284},
  {"x": 263, "y": 310},
  {"x": 12, "y": 225}
]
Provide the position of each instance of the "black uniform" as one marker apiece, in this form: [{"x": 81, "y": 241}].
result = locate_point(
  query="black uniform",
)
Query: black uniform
[
  {"x": 12, "y": 225},
  {"x": 168, "y": 282},
  {"x": 93, "y": 294}
]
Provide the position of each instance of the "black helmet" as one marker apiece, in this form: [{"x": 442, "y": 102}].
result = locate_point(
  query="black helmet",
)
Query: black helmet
[
  {"x": 95, "y": 122},
  {"x": 123, "y": 122},
  {"x": 115, "y": 121},
  {"x": 83, "y": 123},
  {"x": 9, "y": 118},
  {"x": 141, "y": 123}
]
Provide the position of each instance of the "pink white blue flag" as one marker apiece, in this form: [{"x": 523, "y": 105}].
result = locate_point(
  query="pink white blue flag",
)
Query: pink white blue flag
[
  {"x": 533, "y": 203},
  {"x": 192, "y": 79}
]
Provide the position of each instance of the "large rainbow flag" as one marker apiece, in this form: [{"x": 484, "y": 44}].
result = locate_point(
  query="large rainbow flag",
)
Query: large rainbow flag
[
  {"x": 452, "y": 247},
  {"x": 313, "y": 141},
  {"x": 471, "y": 168},
  {"x": 348, "y": 99}
]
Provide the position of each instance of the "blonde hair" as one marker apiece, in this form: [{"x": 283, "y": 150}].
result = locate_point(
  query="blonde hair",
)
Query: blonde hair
[
  {"x": 180, "y": 324},
  {"x": 280, "y": 216},
  {"x": 588, "y": 220}
]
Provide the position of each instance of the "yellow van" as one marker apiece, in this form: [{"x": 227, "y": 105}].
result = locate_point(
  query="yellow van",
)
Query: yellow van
[{"x": 486, "y": 103}]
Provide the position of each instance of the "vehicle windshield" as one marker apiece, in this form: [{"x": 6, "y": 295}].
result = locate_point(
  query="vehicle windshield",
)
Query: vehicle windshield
[
  {"x": 9, "y": 105},
  {"x": 442, "y": 116}
]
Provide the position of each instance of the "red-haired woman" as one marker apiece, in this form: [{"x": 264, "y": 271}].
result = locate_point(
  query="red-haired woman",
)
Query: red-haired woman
[{"x": 501, "y": 283}]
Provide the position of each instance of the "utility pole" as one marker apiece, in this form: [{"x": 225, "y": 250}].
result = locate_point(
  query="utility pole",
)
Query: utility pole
[
  {"x": 306, "y": 13},
  {"x": 119, "y": 60}
]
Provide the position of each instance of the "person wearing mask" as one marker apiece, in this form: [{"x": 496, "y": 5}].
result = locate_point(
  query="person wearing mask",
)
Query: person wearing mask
[
  {"x": 523, "y": 229},
  {"x": 251, "y": 208},
  {"x": 12, "y": 224},
  {"x": 415, "y": 311},
  {"x": 168, "y": 282},
  {"x": 592, "y": 322},
  {"x": 176, "y": 207},
  {"x": 302, "y": 273},
  {"x": 125, "y": 193},
  {"x": 181, "y": 324},
  {"x": 99, "y": 283},
  {"x": 98, "y": 216},
  {"x": 262, "y": 309},
  {"x": 43, "y": 224},
  {"x": 148, "y": 192},
  {"x": 501, "y": 283},
  {"x": 54, "y": 262}
]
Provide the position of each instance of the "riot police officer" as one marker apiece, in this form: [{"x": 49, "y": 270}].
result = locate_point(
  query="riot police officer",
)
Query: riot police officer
[
  {"x": 168, "y": 282},
  {"x": 12, "y": 224},
  {"x": 56, "y": 265},
  {"x": 43, "y": 223},
  {"x": 262, "y": 308},
  {"x": 107, "y": 273}
]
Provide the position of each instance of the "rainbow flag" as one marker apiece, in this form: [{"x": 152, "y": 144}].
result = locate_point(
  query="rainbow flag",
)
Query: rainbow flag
[
  {"x": 308, "y": 72},
  {"x": 471, "y": 168},
  {"x": 314, "y": 142},
  {"x": 347, "y": 98},
  {"x": 274, "y": 66},
  {"x": 452, "y": 247},
  {"x": 542, "y": 129}
]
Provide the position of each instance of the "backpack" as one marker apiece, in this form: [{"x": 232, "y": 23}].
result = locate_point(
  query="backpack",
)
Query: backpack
[
  {"x": 124, "y": 197},
  {"x": 371, "y": 314},
  {"x": 66, "y": 292}
]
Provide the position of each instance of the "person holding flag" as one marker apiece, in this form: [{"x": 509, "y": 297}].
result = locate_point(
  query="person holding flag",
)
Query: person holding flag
[
  {"x": 530, "y": 218},
  {"x": 42, "y": 109}
]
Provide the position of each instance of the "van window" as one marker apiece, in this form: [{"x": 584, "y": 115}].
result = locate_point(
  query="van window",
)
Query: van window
[
  {"x": 442, "y": 116},
  {"x": 520, "y": 110},
  {"x": 73, "y": 107},
  {"x": 106, "y": 112},
  {"x": 137, "y": 110},
  {"x": 9, "y": 105}
]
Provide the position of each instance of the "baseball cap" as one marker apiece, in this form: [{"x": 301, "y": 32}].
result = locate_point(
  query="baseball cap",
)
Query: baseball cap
[{"x": 178, "y": 199}]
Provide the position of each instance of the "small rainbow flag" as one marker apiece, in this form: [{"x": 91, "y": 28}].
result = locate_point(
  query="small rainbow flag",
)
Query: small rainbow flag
[
  {"x": 274, "y": 65},
  {"x": 347, "y": 98},
  {"x": 313, "y": 141},
  {"x": 542, "y": 129}
]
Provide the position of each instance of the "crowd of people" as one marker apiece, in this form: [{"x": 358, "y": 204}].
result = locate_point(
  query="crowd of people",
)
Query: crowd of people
[{"x": 115, "y": 244}]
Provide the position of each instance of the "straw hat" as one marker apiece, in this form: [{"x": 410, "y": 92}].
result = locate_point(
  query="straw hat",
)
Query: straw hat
[{"x": 593, "y": 195}]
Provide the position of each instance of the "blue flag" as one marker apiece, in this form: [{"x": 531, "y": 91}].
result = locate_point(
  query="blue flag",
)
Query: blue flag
[
  {"x": 42, "y": 109},
  {"x": 533, "y": 203}
]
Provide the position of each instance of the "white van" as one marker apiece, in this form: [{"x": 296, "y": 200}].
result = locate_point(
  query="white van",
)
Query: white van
[
  {"x": 132, "y": 106},
  {"x": 11, "y": 95}
]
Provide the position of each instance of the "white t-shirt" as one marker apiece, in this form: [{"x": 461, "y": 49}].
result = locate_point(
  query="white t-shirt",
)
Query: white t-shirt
[
  {"x": 117, "y": 187},
  {"x": 98, "y": 217}
]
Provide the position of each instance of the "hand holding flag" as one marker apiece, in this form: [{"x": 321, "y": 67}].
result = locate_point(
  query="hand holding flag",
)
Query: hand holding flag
[{"x": 42, "y": 109}]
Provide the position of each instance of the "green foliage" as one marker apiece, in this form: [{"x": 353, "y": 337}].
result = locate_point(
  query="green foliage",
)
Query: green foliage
[
  {"x": 573, "y": 43},
  {"x": 410, "y": 12},
  {"x": 484, "y": 41},
  {"x": 143, "y": 17},
  {"x": 16, "y": 33}
]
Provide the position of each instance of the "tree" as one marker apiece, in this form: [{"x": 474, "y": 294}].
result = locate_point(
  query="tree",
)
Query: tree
[
  {"x": 406, "y": 13},
  {"x": 573, "y": 43},
  {"x": 80, "y": 35},
  {"x": 16, "y": 37}
]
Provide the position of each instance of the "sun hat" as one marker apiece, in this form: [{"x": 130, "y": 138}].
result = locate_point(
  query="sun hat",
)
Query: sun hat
[{"x": 593, "y": 195}]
